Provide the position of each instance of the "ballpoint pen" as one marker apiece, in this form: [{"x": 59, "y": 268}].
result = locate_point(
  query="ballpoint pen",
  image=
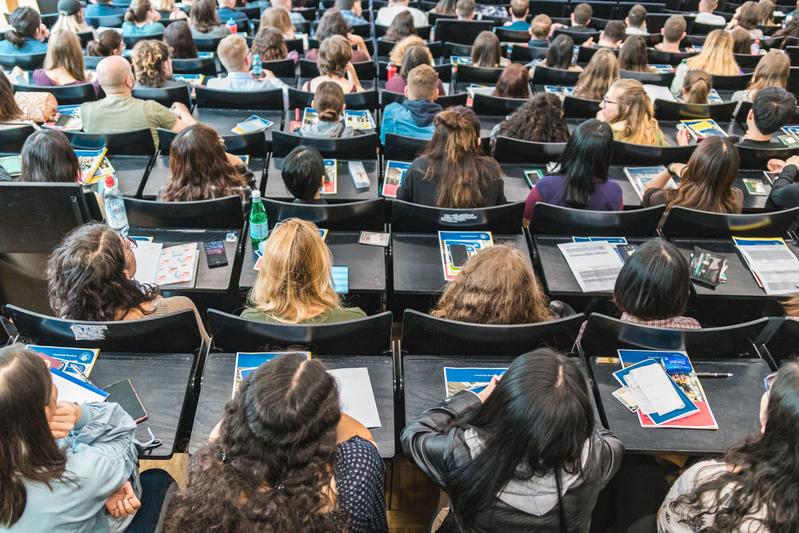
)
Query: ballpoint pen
[{"x": 714, "y": 375}]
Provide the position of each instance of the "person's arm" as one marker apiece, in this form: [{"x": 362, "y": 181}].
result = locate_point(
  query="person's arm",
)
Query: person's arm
[
  {"x": 610, "y": 451},
  {"x": 660, "y": 181},
  {"x": 359, "y": 44},
  {"x": 785, "y": 191},
  {"x": 348, "y": 427},
  {"x": 184, "y": 117},
  {"x": 353, "y": 77},
  {"x": 533, "y": 197}
]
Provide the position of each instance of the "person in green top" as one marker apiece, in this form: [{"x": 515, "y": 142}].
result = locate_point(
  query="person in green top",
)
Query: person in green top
[{"x": 294, "y": 284}]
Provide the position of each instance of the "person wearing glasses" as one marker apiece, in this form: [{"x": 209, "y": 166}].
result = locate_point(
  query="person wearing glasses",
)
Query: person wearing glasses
[
  {"x": 628, "y": 110},
  {"x": 91, "y": 277}
]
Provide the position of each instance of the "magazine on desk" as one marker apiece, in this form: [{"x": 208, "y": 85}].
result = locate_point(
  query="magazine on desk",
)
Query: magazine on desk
[
  {"x": 623, "y": 248},
  {"x": 559, "y": 90},
  {"x": 67, "y": 118},
  {"x": 359, "y": 119},
  {"x": 703, "y": 128},
  {"x": 12, "y": 165},
  {"x": 330, "y": 181},
  {"x": 192, "y": 79},
  {"x": 458, "y": 246},
  {"x": 252, "y": 124},
  {"x": 78, "y": 362},
  {"x": 640, "y": 177},
  {"x": 395, "y": 173},
  {"x": 90, "y": 162},
  {"x": 595, "y": 265},
  {"x": 474, "y": 379},
  {"x": 772, "y": 263},
  {"x": 159, "y": 265},
  {"x": 532, "y": 176}
]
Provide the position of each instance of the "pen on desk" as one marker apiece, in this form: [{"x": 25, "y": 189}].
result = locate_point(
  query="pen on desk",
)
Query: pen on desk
[{"x": 713, "y": 375}]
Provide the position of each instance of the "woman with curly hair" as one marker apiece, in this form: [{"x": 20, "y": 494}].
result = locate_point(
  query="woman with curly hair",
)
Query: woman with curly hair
[
  {"x": 284, "y": 458},
  {"x": 90, "y": 277},
  {"x": 753, "y": 487},
  {"x": 540, "y": 120},
  {"x": 152, "y": 66},
  {"x": 599, "y": 74}
]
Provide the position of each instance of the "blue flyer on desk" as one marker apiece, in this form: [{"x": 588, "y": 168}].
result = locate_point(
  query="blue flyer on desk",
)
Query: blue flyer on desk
[
  {"x": 77, "y": 360},
  {"x": 247, "y": 362},
  {"x": 458, "y": 246},
  {"x": 469, "y": 378}
]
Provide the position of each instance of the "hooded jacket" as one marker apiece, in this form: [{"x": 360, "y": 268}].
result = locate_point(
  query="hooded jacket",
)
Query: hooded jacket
[
  {"x": 411, "y": 118},
  {"x": 440, "y": 442}
]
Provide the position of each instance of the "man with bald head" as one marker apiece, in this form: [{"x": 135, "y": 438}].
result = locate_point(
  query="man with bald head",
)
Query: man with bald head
[{"x": 119, "y": 111}]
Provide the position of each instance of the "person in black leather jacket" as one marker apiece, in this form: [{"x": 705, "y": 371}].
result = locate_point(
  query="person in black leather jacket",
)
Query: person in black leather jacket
[{"x": 501, "y": 454}]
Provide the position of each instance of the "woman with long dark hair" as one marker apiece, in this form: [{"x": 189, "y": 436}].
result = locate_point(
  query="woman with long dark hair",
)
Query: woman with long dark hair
[
  {"x": 61, "y": 461},
  {"x": 452, "y": 171},
  {"x": 26, "y": 34},
  {"x": 286, "y": 459},
  {"x": 401, "y": 27},
  {"x": 181, "y": 44},
  {"x": 753, "y": 487},
  {"x": 47, "y": 156},
  {"x": 561, "y": 54},
  {"x": 524, "y": 454},
  {"x": 582, "y": 181}
]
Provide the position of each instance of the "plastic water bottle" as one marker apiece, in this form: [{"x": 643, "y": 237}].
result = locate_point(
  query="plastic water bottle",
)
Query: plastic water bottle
[
  {"x": 115, "y": 213},
  {"x": 257, "y": 68},
  {"x": 756, "y": 47},
  {"x": 259, "y": 224},
  {"x": 231, "y": 25},
  {"x": 391, "y": 71}
]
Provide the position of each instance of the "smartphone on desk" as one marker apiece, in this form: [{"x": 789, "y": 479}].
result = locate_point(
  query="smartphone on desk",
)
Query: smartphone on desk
[
  {"x": 215, "y": 253},
  {"x": 123, "y": 393}
]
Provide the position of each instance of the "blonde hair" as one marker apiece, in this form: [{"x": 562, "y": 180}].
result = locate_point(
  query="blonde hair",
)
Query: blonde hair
[
  {"x": 74, "y": 23},
  {"x": 232, "y": 52},
  {"x": 772, "y": 71},
  {"x": 334, "y": 54},
  {"x": 636, "y": 112},
  {"x": 716, "y": 56},
  {"x": 63, "y": 50},
  {"x": 599, "y": 74},
  {"x": 163, "y": 5},
  {"x": 496, "y": 286},
  {"x": 277, "y": 17},
  {"x": 423, "y": 82},
  {"x": 293, "y": 283},
  {"x": 149, "y": 58},
  {"x": 398, "y": 52}
]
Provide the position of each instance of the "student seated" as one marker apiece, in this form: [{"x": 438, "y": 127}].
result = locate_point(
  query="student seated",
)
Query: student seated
[
  {"x": 397, "y": 53},
  {"x": 280, "y": 19},
  {"x": 412, "y": 57},
  {"x": 180, "y": 41},
  {"x": 561, "y": 54},
  {"x": 141, "y": 19},
  {"x": 742, "y": 42},
  {"x": 772, "y": 71},
  {"x": 653, "y": 287},
  {"x": 581, "y": 17},
  {"x": 63, "y": 64},
  {"x": 116, "y": 78},
  {"x": 487, "y": 51},
  {"x": 772, "y": 109},
  {"x": 351, "y": 10},
  {"x": 333, "y": 23},
  {"x": 518, "y": 11},
  {"x": 101, "y": 8},
  {"x": 598, "y": 76},
  {"x": 466, "y": 10},
  {"x": 227, "y": 12},
  {"x": 200, "y": 169},
  {"x": 270, "y": 45},
  {"x": 204, "y": 22},
  {"x": 284, "y": 448},
  {"x": 706, "y": 16},
  {"x": 401, "y": 27},
  {"x": 295, "y": 252},
  {"x": 785, "y": 192},
  {"x": 168, "y": 6},
  {"x": 514, "y": 82},
  {"x": 628, "y": 110},
  {"x": 611, "y": 37},
  {"x": 70, "y": 17},
  {"x": 696, "y": 87},
  {"x": 108, "y": 43},
  {"x": 286, "y": 5},
  {"x": 452, "y": 170},
  {"x": 152, "y": 65},
  {"x": 636, "y": 21},
  {"x": 673, "y": 32},
  {"x": 747, "y": 17},
  {"x": 715, "y": 58},
  {"x": 47, "y": 156},
  {"x": 237, "y": 60},
  {"x": 540, "y": 30},
  {"x": 26, "y": 34},
  {"x": 632, "y": 56},
  {"x": 63, "y": 463},
  {"x": 335, "y": 64},
  {"x": 536, "y": 419},
  {"x": 751, "y": 486},
  {"x": 303, "y": 171},
  {"x": 540, "y": 119},
  {"x": 90, "y": 277},
  {"x": 385, "y": 15},
  {"x": 705, "y": 182},
  {"x": 328, "y": 102},
  {"x": 414, "y": 116},
  {"x": 24, "y": 107},
  {"x": 791, "y": 29},
  {"x": 444, "y": 7},
  {"x": 582, "y": 181},
  {"x": 498, "y": 286}
]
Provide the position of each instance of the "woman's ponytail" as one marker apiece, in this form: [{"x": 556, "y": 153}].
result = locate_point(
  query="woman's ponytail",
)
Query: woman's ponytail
[{"x": 696, "y": 87}]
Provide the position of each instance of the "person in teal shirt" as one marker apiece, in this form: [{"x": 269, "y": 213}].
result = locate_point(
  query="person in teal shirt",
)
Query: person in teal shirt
[
  {"x": 27, "y": 33},
  {"x": 141, "y": 19}
]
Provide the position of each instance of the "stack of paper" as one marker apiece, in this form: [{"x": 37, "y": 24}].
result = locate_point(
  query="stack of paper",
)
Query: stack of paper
[
  {"x": 559, "y": 90},
  {"x": 359, "y": 119},
  {"x": 252, "y": 124},
  {"x": 165, "y": 266},
  {"x": 595, "y": 265},
  {"x": 356, "y": 395},
  {"x": 395, "y": 172},
  {"x": 75, "y": 390},
  {"x": 773, "y": 264}
]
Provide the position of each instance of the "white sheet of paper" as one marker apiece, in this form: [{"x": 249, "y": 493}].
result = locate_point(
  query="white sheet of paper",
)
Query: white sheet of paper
[
  {"x": 657, "y": 91},
  {"x": 147, "y": 254},
  {"x": 657, "y": 387},
  {"x": 777, "y": 267},
  {"x": 356, "y": 395},
  {"x": 595, "y": 265},
  {"x": 69, "y": 391}
]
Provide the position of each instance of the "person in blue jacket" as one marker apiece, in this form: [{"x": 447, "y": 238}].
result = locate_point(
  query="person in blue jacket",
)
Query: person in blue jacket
[
  {"x": 414, "y": 117},
  {"x": 27, "y": 33}
]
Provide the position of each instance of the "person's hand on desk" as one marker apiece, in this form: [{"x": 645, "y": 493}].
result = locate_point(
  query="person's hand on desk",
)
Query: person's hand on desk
[{"x": 588, "y": 43}]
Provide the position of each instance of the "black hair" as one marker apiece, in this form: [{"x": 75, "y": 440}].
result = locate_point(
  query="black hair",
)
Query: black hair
[
  {"x": 654, "y": 283},
  {"x": 24, "y": 22},
  {"x": 585, "y": 160},
  {"x": 537, "y": 420},
  {"x": 773, "y": 107},
  {"x": 47, "y": 156},
  {"x": 302, "y": 172},
  {"x": 561, "y": 52}
]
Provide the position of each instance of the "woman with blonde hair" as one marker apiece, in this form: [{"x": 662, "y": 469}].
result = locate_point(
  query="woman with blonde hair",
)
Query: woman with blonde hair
[
  {"x": 278, "y": 18},
  {"x": 715, "y": 58},
  {"x": 497, "y": 286},
  {"x": 63, "y": 64},
  {"x": 334, "y": 62},
  {"x": 772, "y": 71},
  {"x": 70, "y": 17},
  {"x": 168, "y": 6},
  {"x": 628, "y": 110},
  {"x": 696, "y": 87},
  {"x": 294, "y": 284},
  {"x": 152, "y": 66},
  {"x": 599, "y": 74}
]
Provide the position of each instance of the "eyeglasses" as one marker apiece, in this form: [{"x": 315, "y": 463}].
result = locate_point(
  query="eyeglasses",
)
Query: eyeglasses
[
  {"x": 607, "y": 100},
  {"x": 131, "y": 243}
]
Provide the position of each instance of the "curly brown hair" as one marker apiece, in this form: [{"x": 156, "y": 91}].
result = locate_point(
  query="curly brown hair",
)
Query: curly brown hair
[
  {"x": 149, "y": 58},
  {"x": 539, "y": 120},
  {"x": 270, "y": 44},
  {"x": 271, "y": 468}
]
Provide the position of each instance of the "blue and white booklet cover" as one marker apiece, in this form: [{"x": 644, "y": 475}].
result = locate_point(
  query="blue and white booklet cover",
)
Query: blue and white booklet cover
[
  {"x": 248, "y": 362},
  {"x": 458, "y": 246},
  {"x": 474, "y": 379},
  {"x": 772, "y": 263},
  {"x": 75, "y": 390},
  {"x": 78, "y": 362},
  {"x": 359, "y": 119}
]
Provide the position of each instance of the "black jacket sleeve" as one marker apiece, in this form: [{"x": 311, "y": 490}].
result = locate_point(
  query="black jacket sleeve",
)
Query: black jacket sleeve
[{"x": 785, "y": 191}]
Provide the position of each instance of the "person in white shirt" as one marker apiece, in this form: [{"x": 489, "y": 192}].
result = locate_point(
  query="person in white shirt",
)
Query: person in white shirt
[
  {"x": 636, "y": 21},
  {"x": 386, "y": 14},
  {"x": 235, "y": 56},
  {"x": 706, "y": 16}
]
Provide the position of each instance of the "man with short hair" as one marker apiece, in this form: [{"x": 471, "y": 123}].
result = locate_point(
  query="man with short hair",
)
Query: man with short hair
[
  {"x": 414, "y": 117},
  {"x": 386, "y": 14},
  {"x": 673, "y": 32},
  {"x": 465, "y": 9},
  {"x": 612, "y": 35},
  {"x": 295, "y": 17},
  {"x": 636, "y": 21},
  {"x": 581, "y": 17},
  {"x": 226, "y": 12},
  {"x": 120, "y": 112},
  {"x": 540, "y": 30},
  {"x": 236, "y": 58},
  {"x": 518, "y": 10},
  {"x": 303, "y": 171},
  {"x": 351, "y": 10},
  {"x": 772, "y": 109},
  {"x": 706, "y": 15}
]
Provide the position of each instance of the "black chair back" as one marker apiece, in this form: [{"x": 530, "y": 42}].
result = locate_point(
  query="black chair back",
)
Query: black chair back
[
  {"x": 138, "y": 142},
  {"x": 224, "y": 99},
  {"x": 669, "y": 110},
  {"x": 207, "y": 44},
  {"x": 525, "y": 54},
  {"x": 107, "y": 21},
  {"x": 200, "y": 65},
  {"x": 423, "y": 334},
  {"x": 658, "y": 57},
  {"x": 586, "y": 53},
  {"x": 757, "y": 158},
  {"x": 131, "y": 40},
  {"x": 165, "y": 96},
  {"x": 415, "y": 218},
  {"x": 367, "y": 215},
  {"x": 629, "y": 154},
  {"x": 282, "y": 68},
  {"x": 175, "y": 333},
  {"x": 359, "y": 148},
  {"x": 692, "y": 223},
  {"x": 13, "y": 137},
  {"x": 399, "y": 148},
  {"x": 704, "y": 29},
  {"x": 732, "y": 83},
  {"x": 747, "y": 61},
  {"x": 556, "y": 220},
  {"x": 472, "y": 74},
  {"x": 365, "y": 336},
  {"x": 23, "y": 61},
  {"x": 219, "y": 213},
  {"x": 511, "y": 36},
  {"x": 460, "y": 31},
  {"x": 663, "y": 79},
  {"x": 579, "y": 37},
  {"x": 604, "y": 335},
  {"x": 783, "y": 344},
  {"x": 508, "y": 150},
  {"x": 484, "y": 104},
  {"x": 543, "y": 75},
  {"x": 64, "y": 94},
  {"x": 576, "y": 107}
]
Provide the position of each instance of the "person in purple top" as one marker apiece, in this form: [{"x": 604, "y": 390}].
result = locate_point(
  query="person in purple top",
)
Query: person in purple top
[{"x": 582, "y": 181}]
